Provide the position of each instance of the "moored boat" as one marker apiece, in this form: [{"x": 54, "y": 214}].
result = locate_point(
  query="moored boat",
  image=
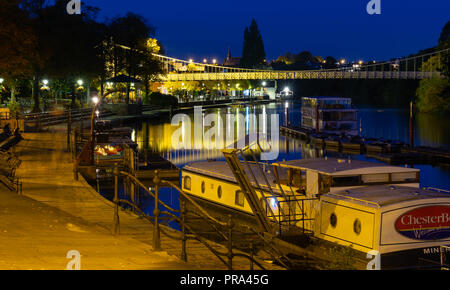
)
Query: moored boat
[{"x": 368, "y": 206}]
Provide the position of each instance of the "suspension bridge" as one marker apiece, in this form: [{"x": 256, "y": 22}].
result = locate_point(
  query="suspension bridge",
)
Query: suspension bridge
[{"x": 177, "y": 70}]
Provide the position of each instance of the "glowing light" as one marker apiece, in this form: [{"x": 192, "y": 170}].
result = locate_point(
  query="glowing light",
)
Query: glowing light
[
  {"x": 80, "y": 82},
  {"x": 273, "y": 203},
  {"x": 191, "y": 60},
  {"x": 45, "y": 82},
  {"x": 214, "y": 61},
  {"x": 95, "y": 100},
  {"x": 97, "y": 113},
  {"x": 205, "y": 60},
  {"x": 2, "y": 80},
  {"x": 264, "y": 84},
  {"x": 342, "y": 61},
  {"x": 286, "y": 105},
  {"x": 360, "y": 62},
  {"x": 286, "y": 89}
]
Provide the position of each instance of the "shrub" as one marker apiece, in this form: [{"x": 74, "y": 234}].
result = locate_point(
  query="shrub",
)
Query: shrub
[{"x": 158, "y": 99}]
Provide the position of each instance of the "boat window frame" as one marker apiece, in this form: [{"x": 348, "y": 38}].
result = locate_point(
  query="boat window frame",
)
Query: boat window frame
[
  {"x": 187, "y": 177},
  {"x": 239, "y": 193}
]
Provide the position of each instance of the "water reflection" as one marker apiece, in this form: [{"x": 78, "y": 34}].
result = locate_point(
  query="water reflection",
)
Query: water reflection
[{"x": 229, "y": 123}]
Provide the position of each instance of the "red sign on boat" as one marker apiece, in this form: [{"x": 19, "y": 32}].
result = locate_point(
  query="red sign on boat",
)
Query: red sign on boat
[{"x": 425, "y": 223}]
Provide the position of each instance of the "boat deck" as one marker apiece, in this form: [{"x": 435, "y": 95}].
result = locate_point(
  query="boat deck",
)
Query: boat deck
[
  {"x": 221, "y": 170},
  {"x": 385, "y": 195},
  {"x": 337, "y": 167}
]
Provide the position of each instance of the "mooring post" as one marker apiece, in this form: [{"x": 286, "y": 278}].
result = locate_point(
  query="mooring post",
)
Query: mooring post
[
  {"x": 183, "y": 230},
  {"x": 411, "y": 129},
  {"x": 116, "y": 200},
  {"x": 156, "y": 212},
  {"x": 230, "y": 242}
]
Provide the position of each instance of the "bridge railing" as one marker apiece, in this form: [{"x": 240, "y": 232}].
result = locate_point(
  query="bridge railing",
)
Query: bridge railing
[{"x": 400, "y": 68}]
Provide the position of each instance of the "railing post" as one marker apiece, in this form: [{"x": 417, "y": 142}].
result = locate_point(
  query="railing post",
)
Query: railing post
[
  {"x": 183, "y": 230},
  {"x": 230, "y": 226},
  {"x": 69, "y": 128},
  {"x": 252, "y": 255},
  {"x": 116, "y": 200},
  {"x": 156, "y": 212}
]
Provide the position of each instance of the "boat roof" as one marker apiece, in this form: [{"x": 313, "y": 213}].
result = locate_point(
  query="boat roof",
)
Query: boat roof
[
  {"x": 384, "y": 195},
  {"x": 343, "y": 167},
  {"x": 327, "y": 98},
  {"x": 221, "y": 170}
]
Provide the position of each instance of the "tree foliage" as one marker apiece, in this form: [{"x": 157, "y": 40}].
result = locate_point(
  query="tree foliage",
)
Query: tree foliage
[{"x": 253, "y": 54}]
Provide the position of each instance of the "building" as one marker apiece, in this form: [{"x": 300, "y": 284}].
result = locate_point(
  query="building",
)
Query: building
[{"x": 232, "y": 61}]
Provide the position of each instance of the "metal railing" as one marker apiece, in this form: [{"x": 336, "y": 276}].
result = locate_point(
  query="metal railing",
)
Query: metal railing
[
  {"x": 226, "y": 230},
  {"x": 37, "y": 121},
  {"x": 294, "y": 212}
]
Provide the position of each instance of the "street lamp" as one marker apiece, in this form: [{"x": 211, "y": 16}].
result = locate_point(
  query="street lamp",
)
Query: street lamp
[
  {"x": 264, "y": 84},
  {"x": 45, "y": 82},
  {"x": 214, "y": 61},
  {"x": 95, "y": 100},
  {"x": 205, "y": 60}
]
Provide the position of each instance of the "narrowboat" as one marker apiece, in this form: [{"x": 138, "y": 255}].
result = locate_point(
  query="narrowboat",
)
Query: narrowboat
[
  {"x": 329, "y": 115},
  {"x": 370, "y": 207}
]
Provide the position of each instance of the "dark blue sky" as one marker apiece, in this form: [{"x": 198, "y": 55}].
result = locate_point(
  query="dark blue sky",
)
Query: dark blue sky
[{"x": 341, "y": 28}]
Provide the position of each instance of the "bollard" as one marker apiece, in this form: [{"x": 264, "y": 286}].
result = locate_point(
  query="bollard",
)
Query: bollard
[
  {"x": 156, "y": 234},
  {"x": 183, "y": 230},
  {"x": 116, "y": 200},
  {"x": 252, "y": 255},
  {"x": 230, "y": 242}
]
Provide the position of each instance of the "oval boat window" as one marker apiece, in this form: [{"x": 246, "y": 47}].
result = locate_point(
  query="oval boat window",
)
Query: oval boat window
[
  {"x": 357, "y": 227},
  {"x": 333, "y": 220},
  {"x": 203, "y": 187},
  {"x": 219, "y": 192}
]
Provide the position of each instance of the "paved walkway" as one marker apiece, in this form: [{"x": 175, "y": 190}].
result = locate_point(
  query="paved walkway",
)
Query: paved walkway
[{"x": 57, "y": 214}]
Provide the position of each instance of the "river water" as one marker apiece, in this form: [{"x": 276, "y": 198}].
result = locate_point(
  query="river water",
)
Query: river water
[
  {"x": 390, "y": 124},
  {"x": 393, "y": 124}
]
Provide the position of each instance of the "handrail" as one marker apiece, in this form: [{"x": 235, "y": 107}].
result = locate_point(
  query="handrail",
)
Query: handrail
[
  {"x": 229, "y": 225},
  {"x": 355, "y": 199},
  {"x": 437, "y": 189}
]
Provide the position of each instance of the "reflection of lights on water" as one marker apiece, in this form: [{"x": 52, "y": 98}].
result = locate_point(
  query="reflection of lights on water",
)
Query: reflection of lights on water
[{"x": 273, "y": 203}]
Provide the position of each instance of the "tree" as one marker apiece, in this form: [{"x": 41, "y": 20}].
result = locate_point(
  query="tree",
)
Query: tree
[
  {"x": 19, "y": 55},
  {"x": 253, "y": 53}
]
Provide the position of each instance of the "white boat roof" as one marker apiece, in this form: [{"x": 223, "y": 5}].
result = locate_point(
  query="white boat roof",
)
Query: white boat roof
[
  {"x": 343, "y": 167},
  {"x": 384, "y": 195},
  {"x": 221, "y": 170}
]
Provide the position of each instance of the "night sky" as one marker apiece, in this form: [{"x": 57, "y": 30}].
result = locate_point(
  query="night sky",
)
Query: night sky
[{"x": 341, "y": 28}]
